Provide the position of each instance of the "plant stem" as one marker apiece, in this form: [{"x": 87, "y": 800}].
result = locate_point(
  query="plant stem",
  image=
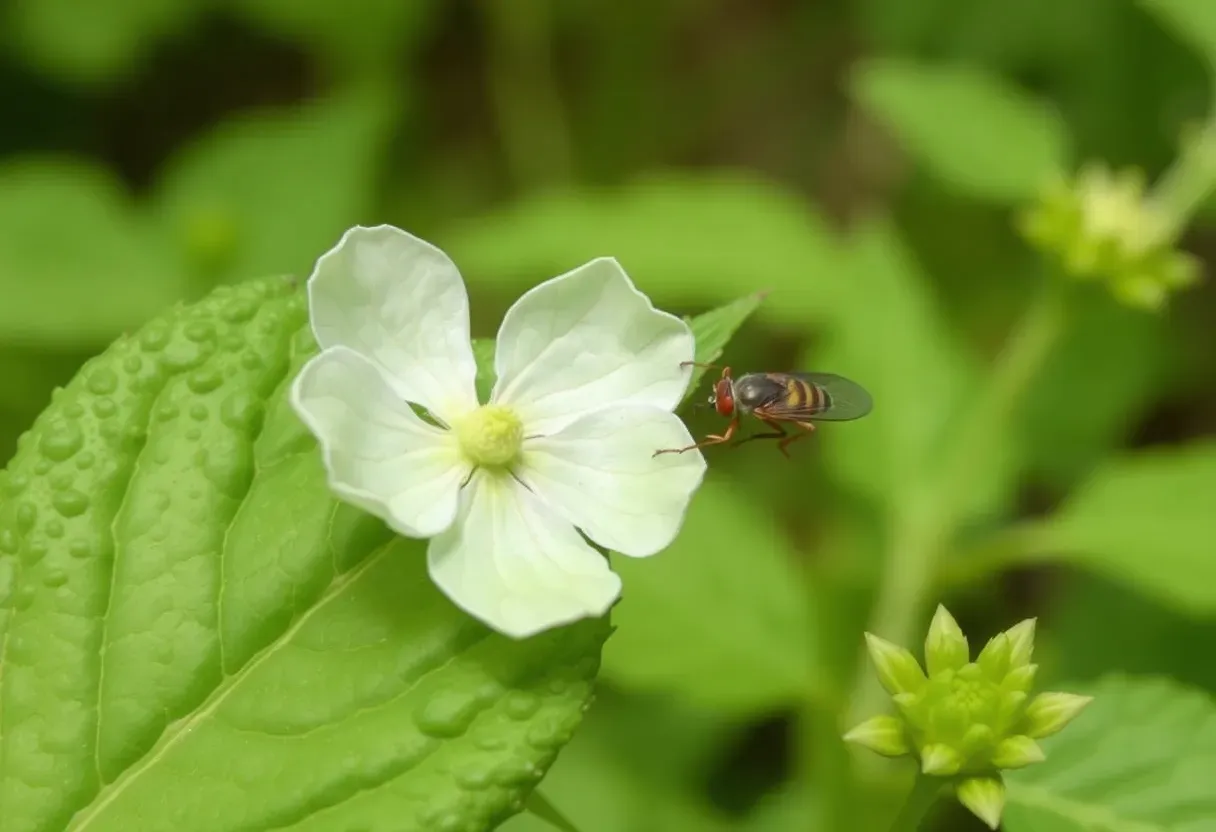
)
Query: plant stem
[
  {"x": 527, "y": 104},
  {"x": 920, "y": 800},
  {"x": 923, "y": 526},
  {"x": 1183, "y": 188}
]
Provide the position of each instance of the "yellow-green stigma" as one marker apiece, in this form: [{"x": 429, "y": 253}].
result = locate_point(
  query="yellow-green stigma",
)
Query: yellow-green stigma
[{"x": 490, "y": 436}]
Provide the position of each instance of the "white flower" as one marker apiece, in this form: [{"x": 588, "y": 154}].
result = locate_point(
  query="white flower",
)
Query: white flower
[{"x": 588, "y": 374}]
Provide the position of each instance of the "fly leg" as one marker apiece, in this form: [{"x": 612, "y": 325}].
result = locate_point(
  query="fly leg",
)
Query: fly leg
[
  {"x": 807, "y": 427},
  {"x": 712, "y": 439}
]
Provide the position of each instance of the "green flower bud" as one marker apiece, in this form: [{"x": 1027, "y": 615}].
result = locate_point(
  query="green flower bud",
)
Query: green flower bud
[
  {"x": 1020, "y": 679},
  {"x": 1048, "y": 713},
  {"x": 897, "y": 668},
  {"x": 994, "y": 659},
  {"x": 1021, "y": 643},
  {"x": 945, "y": 645},
  {"x": 964, "y": 719},
  {"x": 883, "y": 735},
  {"x": 1017, "y": 752},
  {"x": 1104, "y": 227},
  {"x": 984, "y": 797},
  {"x": 940, "y": 760}
]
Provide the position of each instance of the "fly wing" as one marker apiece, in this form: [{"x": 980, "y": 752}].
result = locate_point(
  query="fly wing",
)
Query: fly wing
[{"x": 841, "y": 400}]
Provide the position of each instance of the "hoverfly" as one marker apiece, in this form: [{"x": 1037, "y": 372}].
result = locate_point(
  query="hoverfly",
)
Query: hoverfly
[{"x": 777, "y": 399}]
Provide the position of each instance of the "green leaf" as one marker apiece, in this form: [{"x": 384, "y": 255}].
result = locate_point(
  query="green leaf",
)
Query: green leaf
[
  {"x": 1112, "y": 362},
  {"x": 77, "y": 264},
  {"x": 890, "y": 337},
  {"x": 356, "y": 33},
  {"x": 93, "y": 42},
  {"x": 975, "y": 132},
  {"x": 713, "y": 331},
  {"x": 1191, "y": 21},
  {"x": 719, "y": 618},
  {"x": 1138, "y": 759},
  {"x": 1145, "y": 520},
  {"x": 264, "y": 193},
  {"x": 685, "y": 241},
  {"x": 196, "y": 636}
]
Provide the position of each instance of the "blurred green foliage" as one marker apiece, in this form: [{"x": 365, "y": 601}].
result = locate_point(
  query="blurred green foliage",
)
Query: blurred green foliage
[{"x": 860, "y": 160}]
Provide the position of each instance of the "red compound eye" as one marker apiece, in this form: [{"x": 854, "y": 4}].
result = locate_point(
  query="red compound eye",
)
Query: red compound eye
[{"x": 724, "y": 399}]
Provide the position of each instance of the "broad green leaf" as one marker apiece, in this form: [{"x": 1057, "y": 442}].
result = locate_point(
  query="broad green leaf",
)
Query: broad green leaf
[
  {"x": 890, "y": 337},
  {"x": 77, "y": 264},
  {"x": 1099, "y": 627},
  {"x": 1103, "y": 376},
  {"x": 974, "y": 131},
  {"x": 686, "y": 241},
  {"x": 634, "y": 766},
  {"x": 1145, "y": 520},
  {"x": 719, "y": 618},
  {"x": 265, "y": 192},
  {"x": 358, "y": 33},
  {"x": 196, "y": 636},
  {"x": 93, "y": 42},
  {"x": 1191, "y": 21},
  {"x": 713, "y": 331},
  {"x": 1139, "y": 758}
]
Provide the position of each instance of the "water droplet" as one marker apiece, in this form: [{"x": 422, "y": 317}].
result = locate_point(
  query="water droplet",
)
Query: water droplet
[
  {"x": 133, "y": 363},
  {"x": 547, "y": 735},
  {"x": 239, "y": 309},
  {"x": 558, "y": 685},
  {"x": 102, "y": 381},
  {"x": 447, "y": 713},
  {"x": 452, "y": 822},
  {"x": 242, "y": 411},
  {"x": 14, "y": 484},
  {"x": 491, "y": 742},
  {"x": 8, "y": 542},
  {"x": 475, "y": 778},
  {"x": 85, "y": 461},
  {"x": 54, "y": 529},
  {"x": 80, "y": 549},
  {"x": 55, "y": 578},
  {"x": 194, "y": 434},
  {"x": 23, "y": 597},
  {"x": 167, "y": 412},
  {"x": 185, "y": 355},
  {"x": 234, "y": 342},
  {"x": 200, "y": 331},
  {"x": 204, "y": 380},
  {"x": 154, "y": 338},
  {"x": 104, "y": 408},
  {"x": 521, "y": 705},
  {"x": 43, "y": 467},
  {"x": 70, "y": 503},
  {"x": 73, "y": 410},
  {"x": 27, "y": 515},
  {"x": 35, "y": 551},
  {"x": 198, "y": 412},
  {"x": 515, "y": 772},
  {"x": 251, "y": 361},
  {"x": 62, "y": 479},
  {"x": 61, "y": 441}
]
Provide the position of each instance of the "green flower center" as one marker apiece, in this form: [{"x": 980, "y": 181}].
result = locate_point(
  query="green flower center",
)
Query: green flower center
[{"x": 490, "y": 436}]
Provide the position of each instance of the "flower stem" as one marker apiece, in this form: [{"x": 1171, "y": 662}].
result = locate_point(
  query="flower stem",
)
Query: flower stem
[
  {"x": 923, "y": 527},
  {"x": 920, "y": 800},
  {"x": 1190, "y": 180}
]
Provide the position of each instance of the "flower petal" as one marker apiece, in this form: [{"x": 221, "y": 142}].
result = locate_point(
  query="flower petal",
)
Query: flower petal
[
  {"x": 584, "y": 340},
  {"x": 398, "y": 301},
  {"x": 601, "y": 474},
  {"x": 512, "y": 562},
  {"x": 379, "y": 455}
]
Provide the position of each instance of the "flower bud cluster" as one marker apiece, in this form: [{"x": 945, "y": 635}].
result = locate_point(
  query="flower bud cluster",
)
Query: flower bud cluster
[{"x": 962, "y": 719}]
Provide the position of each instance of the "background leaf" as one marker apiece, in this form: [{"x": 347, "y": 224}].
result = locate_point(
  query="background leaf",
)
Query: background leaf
[
  {"x": 713, "y": 331},
  {"x": 269, "y": 193},
  {"x": 1139, "y": 757},
  {"x": 215, "y": 640},
  {"x": 77, "y": 263},
  {"x": 1191, "y": 21},
  {"x": 977, "y": 133},
  {"x": 718, "y": 618},
  {"x": 1146, "y": 520},
  {"x": 684, "y": 240}
]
